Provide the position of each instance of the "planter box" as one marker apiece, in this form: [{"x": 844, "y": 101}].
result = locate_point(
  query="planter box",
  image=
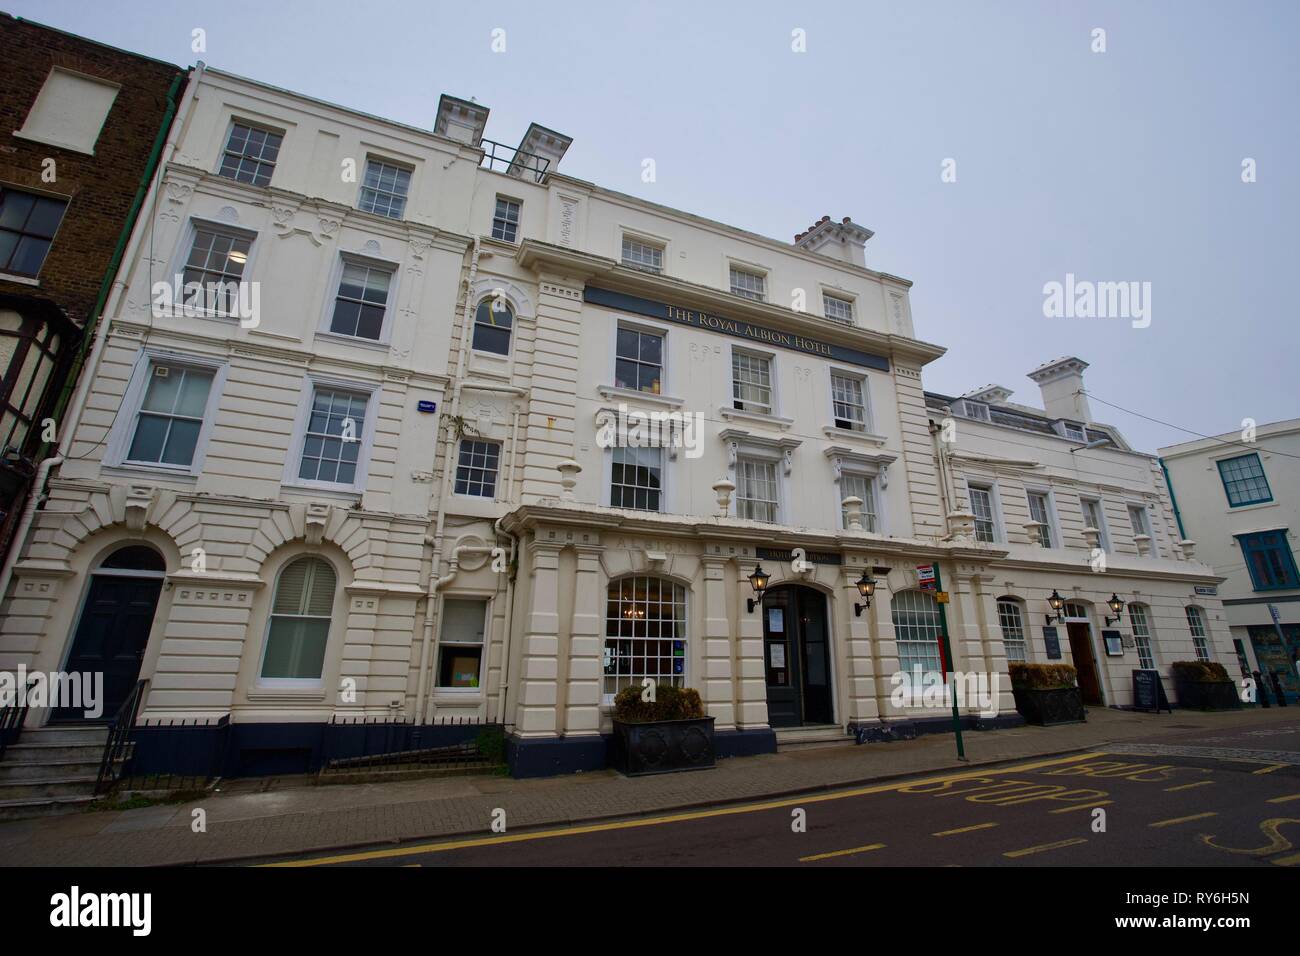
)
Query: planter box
[
  {"x": 1060, "y": 705},
  {"x": 1207, "y": 695},
  {"x": 662, "y": 746}
]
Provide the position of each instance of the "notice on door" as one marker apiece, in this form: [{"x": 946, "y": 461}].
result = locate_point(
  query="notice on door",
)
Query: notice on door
[
  {"x": 776, "y": 620},
  {"x": 776, "y": 656}
]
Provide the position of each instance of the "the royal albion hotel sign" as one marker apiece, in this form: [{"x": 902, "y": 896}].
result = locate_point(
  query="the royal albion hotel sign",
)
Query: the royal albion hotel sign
[{"x": 742, "y": 330}]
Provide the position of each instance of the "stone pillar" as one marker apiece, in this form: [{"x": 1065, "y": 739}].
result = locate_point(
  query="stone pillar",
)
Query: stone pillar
[
  {"x": 995, "y": 650},
  {"x": 749, "y": 660},
  {"x": 535, "y": 714},
  {"x": 885, "y": 649},
  {"x": 586, "y": 645},
  {"x": 717, "y": 686},
  {"x": 862, "y": 678},
  {"x": 964, "y": 632}
]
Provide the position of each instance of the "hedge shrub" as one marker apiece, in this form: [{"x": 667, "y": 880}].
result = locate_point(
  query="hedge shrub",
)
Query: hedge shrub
[
  {"x": 1201, "y": 672},
  {"x": 1041, "y": 676},
  {"x": 670, "y": 703}
]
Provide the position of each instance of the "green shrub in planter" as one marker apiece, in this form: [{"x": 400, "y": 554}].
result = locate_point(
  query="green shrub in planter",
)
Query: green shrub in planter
[
  {"x": 668, "y": 733},
  {"x": 1204, "y": 685},
  {"x": 1041, "y": 676},
  {"x": 670, "y": 703},
  {"x": 1047, "y": 694}
]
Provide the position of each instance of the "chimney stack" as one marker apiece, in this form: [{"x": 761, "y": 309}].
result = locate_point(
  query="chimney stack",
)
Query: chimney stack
[
  {"x": 844, "y": 240},
  {"x": 1061, "y": 382},
  {"x": 461, "y": 120}
]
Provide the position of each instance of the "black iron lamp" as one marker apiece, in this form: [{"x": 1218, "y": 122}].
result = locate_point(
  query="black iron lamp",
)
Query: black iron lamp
[
  {"x": 758, "y": 581},
  {"x": 866, "y": 587},
  {"x": 1116, "y": 605},
  {"x": 1056, "y": 603}
]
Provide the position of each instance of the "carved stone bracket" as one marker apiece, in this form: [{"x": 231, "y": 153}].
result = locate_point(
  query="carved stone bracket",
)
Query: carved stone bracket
[{"x": 318, "y": 516}]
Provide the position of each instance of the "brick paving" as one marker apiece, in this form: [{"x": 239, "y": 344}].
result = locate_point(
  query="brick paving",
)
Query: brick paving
[{"x": 283, "y": 820}]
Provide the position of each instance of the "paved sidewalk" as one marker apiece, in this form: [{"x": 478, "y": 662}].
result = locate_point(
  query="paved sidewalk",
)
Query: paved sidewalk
[{"x": 243, "y": 825}]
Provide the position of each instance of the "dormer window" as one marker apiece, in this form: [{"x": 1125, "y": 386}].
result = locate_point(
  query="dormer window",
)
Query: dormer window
[
  {"x": 1071, "y": 430},
  {"x": 968, "y": 409}
]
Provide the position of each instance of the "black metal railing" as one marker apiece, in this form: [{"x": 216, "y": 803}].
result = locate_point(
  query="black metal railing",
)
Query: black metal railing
[
  {"x": 119, "y": 738},
  {"x": 12, "y": 718},
  {"x": 412, "y": 754},
  {"x": 516, "y": 162}
]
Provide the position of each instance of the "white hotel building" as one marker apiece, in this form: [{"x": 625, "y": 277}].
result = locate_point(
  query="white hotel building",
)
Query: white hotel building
[{"x": 391, "y": 494}]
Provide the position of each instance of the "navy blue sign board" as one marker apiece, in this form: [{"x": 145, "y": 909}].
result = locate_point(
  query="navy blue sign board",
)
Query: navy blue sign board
[
  {"x": 425, "y": 406},
  {"x": 735, "y": 327},
  {"x": 1149, "y": 692},
  {"x": 1052, "y": 643}
]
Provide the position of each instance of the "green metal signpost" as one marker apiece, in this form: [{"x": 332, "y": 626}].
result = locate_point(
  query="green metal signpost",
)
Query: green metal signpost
[{"x": 946, "y": 647}]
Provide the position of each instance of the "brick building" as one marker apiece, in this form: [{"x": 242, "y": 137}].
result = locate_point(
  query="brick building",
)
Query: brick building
[{"x": 80, "y": 123}]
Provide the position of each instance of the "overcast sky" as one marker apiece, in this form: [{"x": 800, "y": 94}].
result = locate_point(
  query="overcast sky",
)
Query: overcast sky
[{"x": 1124, "y": 165}]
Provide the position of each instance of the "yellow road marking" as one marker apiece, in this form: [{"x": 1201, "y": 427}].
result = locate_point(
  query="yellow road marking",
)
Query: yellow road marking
[
  {"x": 978, "y": 826},
  {"x": 1044, "y": 847},
  {"x": 1194, "y": 816},
  {"x": 849, "y": 852},
  {"x": 671, "y": 818},
  {"x": 1263, "y": 770},
  {"x": 1291, "y": 860},
  {"x": 1189, "y": 786},
  {"x": 1083, "y": 806},
  {"x": 1286, "y": 799}
]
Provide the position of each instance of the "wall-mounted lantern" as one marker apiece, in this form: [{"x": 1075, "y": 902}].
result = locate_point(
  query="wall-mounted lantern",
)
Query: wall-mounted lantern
[
  {"x": 758, "y": 581},
  {"x": 1116, "y": 605},
  {"x": 1056, "y": 603},
  {"x": 866, "y": 587}
]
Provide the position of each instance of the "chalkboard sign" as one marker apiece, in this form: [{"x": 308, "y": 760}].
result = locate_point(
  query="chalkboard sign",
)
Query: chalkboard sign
[
  {"x": 1053, "y": 644},
  {"x": 1149, "y": 692}
]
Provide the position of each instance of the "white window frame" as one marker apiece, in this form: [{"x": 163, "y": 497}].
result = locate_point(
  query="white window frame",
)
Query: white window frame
[
  {"x": 663, "y": 479},
  {"x": 1053, "y": 519},
  {"x": 518, "y": 222},
  {"x": 293, "y": 460},
  {"x": 658, "y": 245},
  {"x": 769, "y": 357},
  {"x": 1147, "y": 619},
  {"x": 877, "y": 498},
  {"x": 1202, "y": 621},
  {"x": 514, "y": 327},
  {"x": 1147, "y": 524},
  {"x": 845, "y": 298},
  {"x": 291, "y": 683},
  {"x": 995, "y": 505},
  {"x": 864, "y": 382},
  {"x": 644, "y": 328},
  {"x": 496, "y": 482},
  {"x": 775, "y": 460},
  {"x": 123, "y": 430},
  {"x": 395, "y": 164},
  {"x": 1023, "y": 624},
  {"x": 439, "y": 687},
  {"x": 608, "y": 699},
  {"x": 239, "y": 120},
  {"x": 341, "y": 261},
  {"x": 751, "y": 270},
  {"x": 185, "y": 246},
  {"x": 1104, "y": 538}
]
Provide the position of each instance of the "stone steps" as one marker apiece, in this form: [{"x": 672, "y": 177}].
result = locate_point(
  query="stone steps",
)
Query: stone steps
[{"x": 51, "y": 770}]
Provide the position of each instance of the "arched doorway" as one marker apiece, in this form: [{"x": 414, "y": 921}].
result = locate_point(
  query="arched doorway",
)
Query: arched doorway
[
  {"x": 113, "y": 627},
  {"x": 797, "y": 657}
]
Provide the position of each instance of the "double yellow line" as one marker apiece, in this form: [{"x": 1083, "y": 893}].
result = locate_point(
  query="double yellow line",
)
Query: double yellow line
[{"x": 416, "y": 849}]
